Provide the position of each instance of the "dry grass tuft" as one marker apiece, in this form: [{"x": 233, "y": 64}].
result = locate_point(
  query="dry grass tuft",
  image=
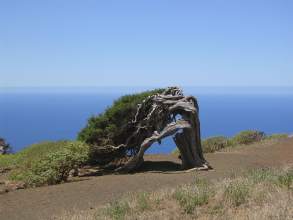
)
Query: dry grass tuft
[{"x": 258, "y": 194}]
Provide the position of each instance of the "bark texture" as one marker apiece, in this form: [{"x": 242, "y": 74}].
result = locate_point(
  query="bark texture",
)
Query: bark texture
[{"x": 169, "y": 113}]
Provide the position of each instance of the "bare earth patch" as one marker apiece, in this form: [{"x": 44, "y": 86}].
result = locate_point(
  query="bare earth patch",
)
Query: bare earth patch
[{"x": 158, "y": 173}]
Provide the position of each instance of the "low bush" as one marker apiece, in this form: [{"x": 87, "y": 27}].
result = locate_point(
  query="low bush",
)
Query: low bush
[
  {"x": 213, "y": 144},
  {"x": 30, "y": 154},
  {"x": 277, "y": 136},
  {"x": 7, "y": 162},
  {"x": 52, "y": 167},
  {"x": 248, "y": 137}
]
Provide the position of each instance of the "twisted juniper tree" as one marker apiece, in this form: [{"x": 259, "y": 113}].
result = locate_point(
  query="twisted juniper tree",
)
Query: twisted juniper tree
[{"x": 161, "y": 114}]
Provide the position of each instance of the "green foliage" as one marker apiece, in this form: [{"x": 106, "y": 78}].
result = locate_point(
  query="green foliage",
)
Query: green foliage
[
  {"x": 277, "y": 136},
  {"x": 28, "y": 155},
  {"x": 248, "y": 137},
  {"x": 32, "y": 153},
  {"x": 107, "y": 128},
  {"x": 213, "y": 144},
  {"x": 39, "y": 167},
  {"x": 7, "y": 162}
]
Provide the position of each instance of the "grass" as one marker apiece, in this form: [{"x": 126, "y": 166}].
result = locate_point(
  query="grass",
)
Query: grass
[
  {"x": 257, "y": 194},
  {"x": 117, "y": 210},
  {"x": 143, "y": 201},
  {"x": 237, "y": 193},
  {"x": 190, "y": 197}
]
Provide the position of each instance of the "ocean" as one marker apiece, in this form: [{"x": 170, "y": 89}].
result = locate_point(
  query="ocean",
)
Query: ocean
[{"x": 30, "y": 116}]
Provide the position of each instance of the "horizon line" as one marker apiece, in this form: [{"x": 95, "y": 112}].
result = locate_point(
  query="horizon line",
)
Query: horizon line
[{"x": 151, "y": 86}]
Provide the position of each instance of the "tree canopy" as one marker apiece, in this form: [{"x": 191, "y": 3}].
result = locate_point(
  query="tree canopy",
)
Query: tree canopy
[{"x": 107, "y": 128}]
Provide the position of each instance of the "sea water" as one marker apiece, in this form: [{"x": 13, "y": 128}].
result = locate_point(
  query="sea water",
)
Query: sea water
[{"x": 31, "y": 117}]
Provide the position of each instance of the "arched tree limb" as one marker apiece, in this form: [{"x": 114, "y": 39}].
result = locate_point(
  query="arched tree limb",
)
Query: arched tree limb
[{"x": 165, "y": 114}]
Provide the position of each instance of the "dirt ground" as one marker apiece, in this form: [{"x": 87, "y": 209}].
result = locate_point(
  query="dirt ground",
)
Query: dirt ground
[{"x": 157, "y": 172}]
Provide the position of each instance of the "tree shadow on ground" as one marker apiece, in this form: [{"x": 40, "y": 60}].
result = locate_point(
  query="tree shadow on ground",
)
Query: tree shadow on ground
[{"x": 159, "y": 166}]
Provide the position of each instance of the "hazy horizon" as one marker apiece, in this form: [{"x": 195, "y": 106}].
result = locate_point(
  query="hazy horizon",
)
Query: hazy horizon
[{"x": 245, "y": 90}]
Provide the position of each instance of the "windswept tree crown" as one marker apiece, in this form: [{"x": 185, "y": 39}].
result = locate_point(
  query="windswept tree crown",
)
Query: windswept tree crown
[
  {"x": 120, "y": 136},
  {"x": 108, "y": 127}
]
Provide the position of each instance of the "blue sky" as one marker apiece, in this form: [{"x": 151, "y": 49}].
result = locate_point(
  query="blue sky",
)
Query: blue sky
[{"x": 146, "y": 43}]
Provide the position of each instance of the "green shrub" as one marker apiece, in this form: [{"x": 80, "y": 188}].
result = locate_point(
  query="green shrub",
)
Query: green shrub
[
  {"x": 7, "y": 162},
  {"x": 248, "y": 137},
  {"x": 52, "y": 167},
  {"x": 107, "y": 128},
  {"x": 30, "y": 154},
  {"x": 213, "y": 144},
  {"x": 277, "y": 136}
]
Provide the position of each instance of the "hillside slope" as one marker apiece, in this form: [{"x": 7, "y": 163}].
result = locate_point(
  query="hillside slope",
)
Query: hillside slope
[{"x": 157, "y": 172}]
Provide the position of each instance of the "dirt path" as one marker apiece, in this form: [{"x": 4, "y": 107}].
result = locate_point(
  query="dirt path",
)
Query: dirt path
[{"x": 44, "y": 202}]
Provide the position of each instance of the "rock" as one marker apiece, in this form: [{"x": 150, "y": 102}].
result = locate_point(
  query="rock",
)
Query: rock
[
  {"x": 73, "y": 172},
  {"x": 14, "y": 185},
  {"x": 4, "y": 147},
  {"x": 3, "y": 191},
  {"x": 90, "y": 171},
  {"x": 4, "y": 170},
  {"x": 2, "y": 150}
]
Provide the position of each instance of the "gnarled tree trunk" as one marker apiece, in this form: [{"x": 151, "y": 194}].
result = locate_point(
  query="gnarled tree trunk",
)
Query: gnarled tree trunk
[{"x": 165, "y": 114}]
